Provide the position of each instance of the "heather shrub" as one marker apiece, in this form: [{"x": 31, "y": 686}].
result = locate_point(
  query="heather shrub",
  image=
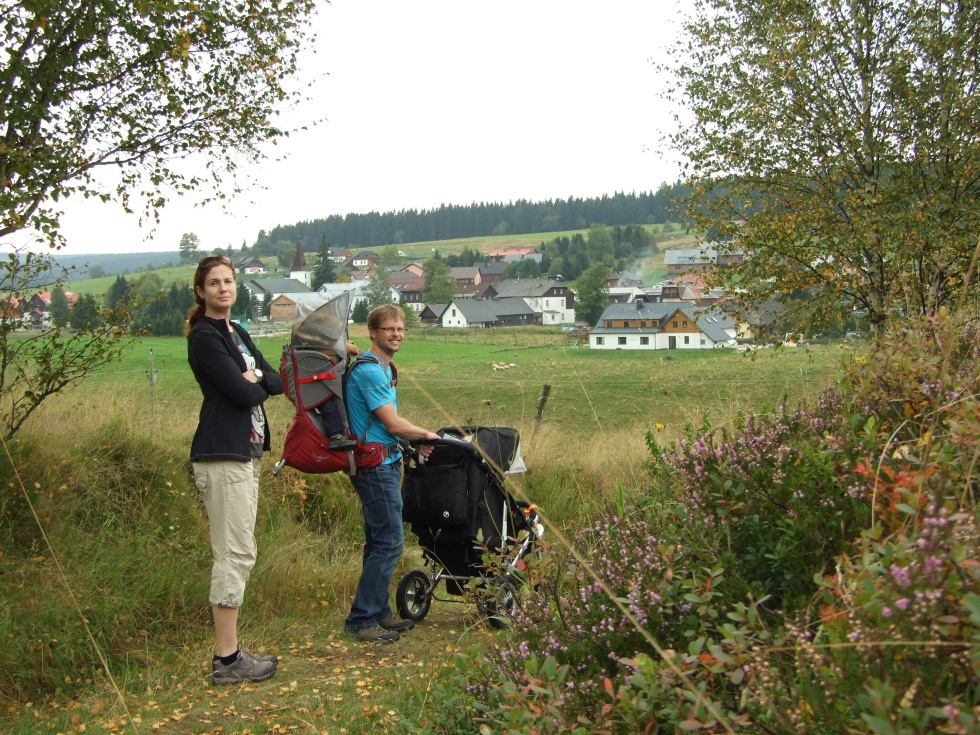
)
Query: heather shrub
[
  {"x": 776, "y": 495},
  {"x": 808, "y": 571}
]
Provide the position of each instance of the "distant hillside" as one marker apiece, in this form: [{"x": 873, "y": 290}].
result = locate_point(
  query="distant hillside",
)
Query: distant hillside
[
  {"x": 454, "y": 222},
  {"x": 117, "y": 263}
]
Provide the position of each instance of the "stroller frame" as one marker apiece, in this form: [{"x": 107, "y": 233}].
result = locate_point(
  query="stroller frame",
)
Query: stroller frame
[
  {"x": 417, "y": 589},
  {"x": 474, "y": 535}
]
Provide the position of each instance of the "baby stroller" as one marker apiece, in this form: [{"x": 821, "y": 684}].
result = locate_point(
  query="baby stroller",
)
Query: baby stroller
[{"x": 474, "y": 535}]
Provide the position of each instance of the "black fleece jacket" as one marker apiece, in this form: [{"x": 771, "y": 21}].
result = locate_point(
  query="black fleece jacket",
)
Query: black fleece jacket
[{"x": 225, "y": 426}]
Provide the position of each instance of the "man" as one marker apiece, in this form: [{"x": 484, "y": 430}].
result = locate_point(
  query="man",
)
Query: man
[{"x": 372, "y": 409}]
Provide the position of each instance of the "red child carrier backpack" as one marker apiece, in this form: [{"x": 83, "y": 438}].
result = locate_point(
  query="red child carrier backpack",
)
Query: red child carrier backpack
[{"x": 314, "y": 368}]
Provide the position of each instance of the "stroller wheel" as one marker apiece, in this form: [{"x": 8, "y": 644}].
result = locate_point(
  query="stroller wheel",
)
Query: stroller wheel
[
  {"x": 414, "y": 595},
  {"x": 499, "y": 601}
]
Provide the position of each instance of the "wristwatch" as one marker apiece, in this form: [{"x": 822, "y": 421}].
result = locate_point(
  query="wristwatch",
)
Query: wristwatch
[{"x": 258, "y": 373}]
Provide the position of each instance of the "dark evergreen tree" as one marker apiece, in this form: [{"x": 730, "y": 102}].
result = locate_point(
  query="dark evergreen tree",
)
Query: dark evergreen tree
[
  {"x": 323, "y": 271},
  {"x": 118, "y": 291},
  {"x": 85, "y": 314},
  {"x": 591, "y": 299},
  {"x": 360, "y": 313},
  {"x": 60, "y": 308}
]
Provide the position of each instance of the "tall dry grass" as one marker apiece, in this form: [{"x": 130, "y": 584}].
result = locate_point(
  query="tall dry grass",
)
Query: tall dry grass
[{"x": 106, "y": 467}]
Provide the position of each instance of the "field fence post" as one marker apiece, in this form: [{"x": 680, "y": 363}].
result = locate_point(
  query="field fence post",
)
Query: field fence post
[
  {"x": 542, "y": 402},
  {"x": 151, "y": 375}
]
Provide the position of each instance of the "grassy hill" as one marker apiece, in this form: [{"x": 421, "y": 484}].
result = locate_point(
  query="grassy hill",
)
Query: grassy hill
[{"x": 650, "y": 269}]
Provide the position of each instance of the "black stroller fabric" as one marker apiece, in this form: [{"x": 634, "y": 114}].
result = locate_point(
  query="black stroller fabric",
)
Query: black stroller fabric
[{"x": 457, "y": 501}]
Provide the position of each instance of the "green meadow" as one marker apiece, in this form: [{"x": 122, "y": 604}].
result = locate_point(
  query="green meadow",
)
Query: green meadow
[
  {"x": 118, "y": 579},
  {"x": 498, "y": 376}
]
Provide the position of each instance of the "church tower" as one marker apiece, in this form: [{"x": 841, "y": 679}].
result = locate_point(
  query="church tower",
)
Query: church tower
[{"x": 299, "y": 271}]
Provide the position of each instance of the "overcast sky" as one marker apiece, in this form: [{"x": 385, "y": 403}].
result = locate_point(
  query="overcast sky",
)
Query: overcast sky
[{"x": 445, "y": 102}]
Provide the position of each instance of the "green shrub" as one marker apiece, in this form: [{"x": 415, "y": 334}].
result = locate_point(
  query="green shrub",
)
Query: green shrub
[
  {"x": 777, "y": 495},
  {"x": 810, "y": 571}
]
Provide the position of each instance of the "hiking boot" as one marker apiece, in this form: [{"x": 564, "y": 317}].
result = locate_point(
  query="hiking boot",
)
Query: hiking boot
[
  {"x": 377, "y": 635},
  {"x": 393, "y": 623},
  {"x": 246, "y": 668},
  {"x": 273, "y": 659}
]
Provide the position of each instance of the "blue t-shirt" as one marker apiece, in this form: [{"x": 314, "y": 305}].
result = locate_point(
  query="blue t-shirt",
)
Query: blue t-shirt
[{"x": 369, "y": 387}]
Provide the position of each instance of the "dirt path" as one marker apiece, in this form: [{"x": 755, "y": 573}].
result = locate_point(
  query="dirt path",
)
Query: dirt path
[{"x": 327, "y": 683}]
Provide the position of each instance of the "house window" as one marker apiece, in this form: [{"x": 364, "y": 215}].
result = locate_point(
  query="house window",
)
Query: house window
[
  {"x": 454, "y": 312},
  {"x": 644, "y": 340},
  {"x": 687, "y": 340},
  {"x": 702, "y": 342},
  {"x": 685, "y": 323},
  {"x": 622, "y": 340},
  {"x": 598, "y": 341},
  {"x": 675, "y": 323}
]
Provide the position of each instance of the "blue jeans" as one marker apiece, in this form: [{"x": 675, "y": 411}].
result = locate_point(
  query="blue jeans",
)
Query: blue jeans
[{"x": 379, "y": 489}]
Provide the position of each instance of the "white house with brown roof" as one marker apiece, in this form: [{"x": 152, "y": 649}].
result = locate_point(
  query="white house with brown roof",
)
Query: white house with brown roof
[{"x": 662, "y": 326}]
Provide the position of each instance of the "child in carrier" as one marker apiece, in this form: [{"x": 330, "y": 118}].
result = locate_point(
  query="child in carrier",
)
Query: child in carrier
[{"x": 329, "y": 413}]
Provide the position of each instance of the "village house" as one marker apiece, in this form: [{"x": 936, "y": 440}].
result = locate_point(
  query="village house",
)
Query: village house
[
  {"x": 267, "y": 290},
  {"x": 360, "y": 292},
  {"x": 431, "y": 315},
  {"x": 357, "y": 274},
  {"x": 550, "y": 299},
  {"x": 465, "y": 276},
  {"x": 686, "y": 260},
  {"x": 512, "y": 255},
  {"x": 36, "y": 310},
  {"x": 249, "y": 265},
  {"x": 662, "y": 326},
  {"x": 365, "y": 260},
  {"x": 502, "y": 312},
  {"x": 409, "y": 289},
  {"x": 622, "y": 280},
  {"x": 283, "y": 308},
  {"x": 761, "y": 321},
  {"x": 481, "y": 291},
  {"x": 341, "y": 256},
  {"x": 491, "y": 272}
]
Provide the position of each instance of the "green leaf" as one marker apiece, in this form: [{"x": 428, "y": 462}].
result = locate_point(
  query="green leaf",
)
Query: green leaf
[{"x": 879, "y": 725}]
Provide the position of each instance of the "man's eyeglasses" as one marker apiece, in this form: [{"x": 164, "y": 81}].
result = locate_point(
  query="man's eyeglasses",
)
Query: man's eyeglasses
[{"x": 393, "y": 330}]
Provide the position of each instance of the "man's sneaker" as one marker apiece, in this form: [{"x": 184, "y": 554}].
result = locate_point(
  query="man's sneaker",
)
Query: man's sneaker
[
  {"x": 377, "y": 635},
  {"x": 246, "y": 668},
  {"x": 393, "y": 623}
]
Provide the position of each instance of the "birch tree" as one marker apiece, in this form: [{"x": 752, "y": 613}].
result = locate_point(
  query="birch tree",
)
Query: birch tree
[{"x": 837, "y": 144}]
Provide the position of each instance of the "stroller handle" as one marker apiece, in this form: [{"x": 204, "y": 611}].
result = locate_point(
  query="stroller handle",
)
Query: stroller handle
[{"x": 446, "y": 441}]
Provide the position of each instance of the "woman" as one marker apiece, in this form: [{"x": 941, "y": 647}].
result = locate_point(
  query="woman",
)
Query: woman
[{"x": 232, "y": 433}]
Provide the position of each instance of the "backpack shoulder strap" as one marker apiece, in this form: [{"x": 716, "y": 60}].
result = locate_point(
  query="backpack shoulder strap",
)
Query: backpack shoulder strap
[
  {"x": 363, "y": 358},
  {"x": 360, "y": 360}
]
